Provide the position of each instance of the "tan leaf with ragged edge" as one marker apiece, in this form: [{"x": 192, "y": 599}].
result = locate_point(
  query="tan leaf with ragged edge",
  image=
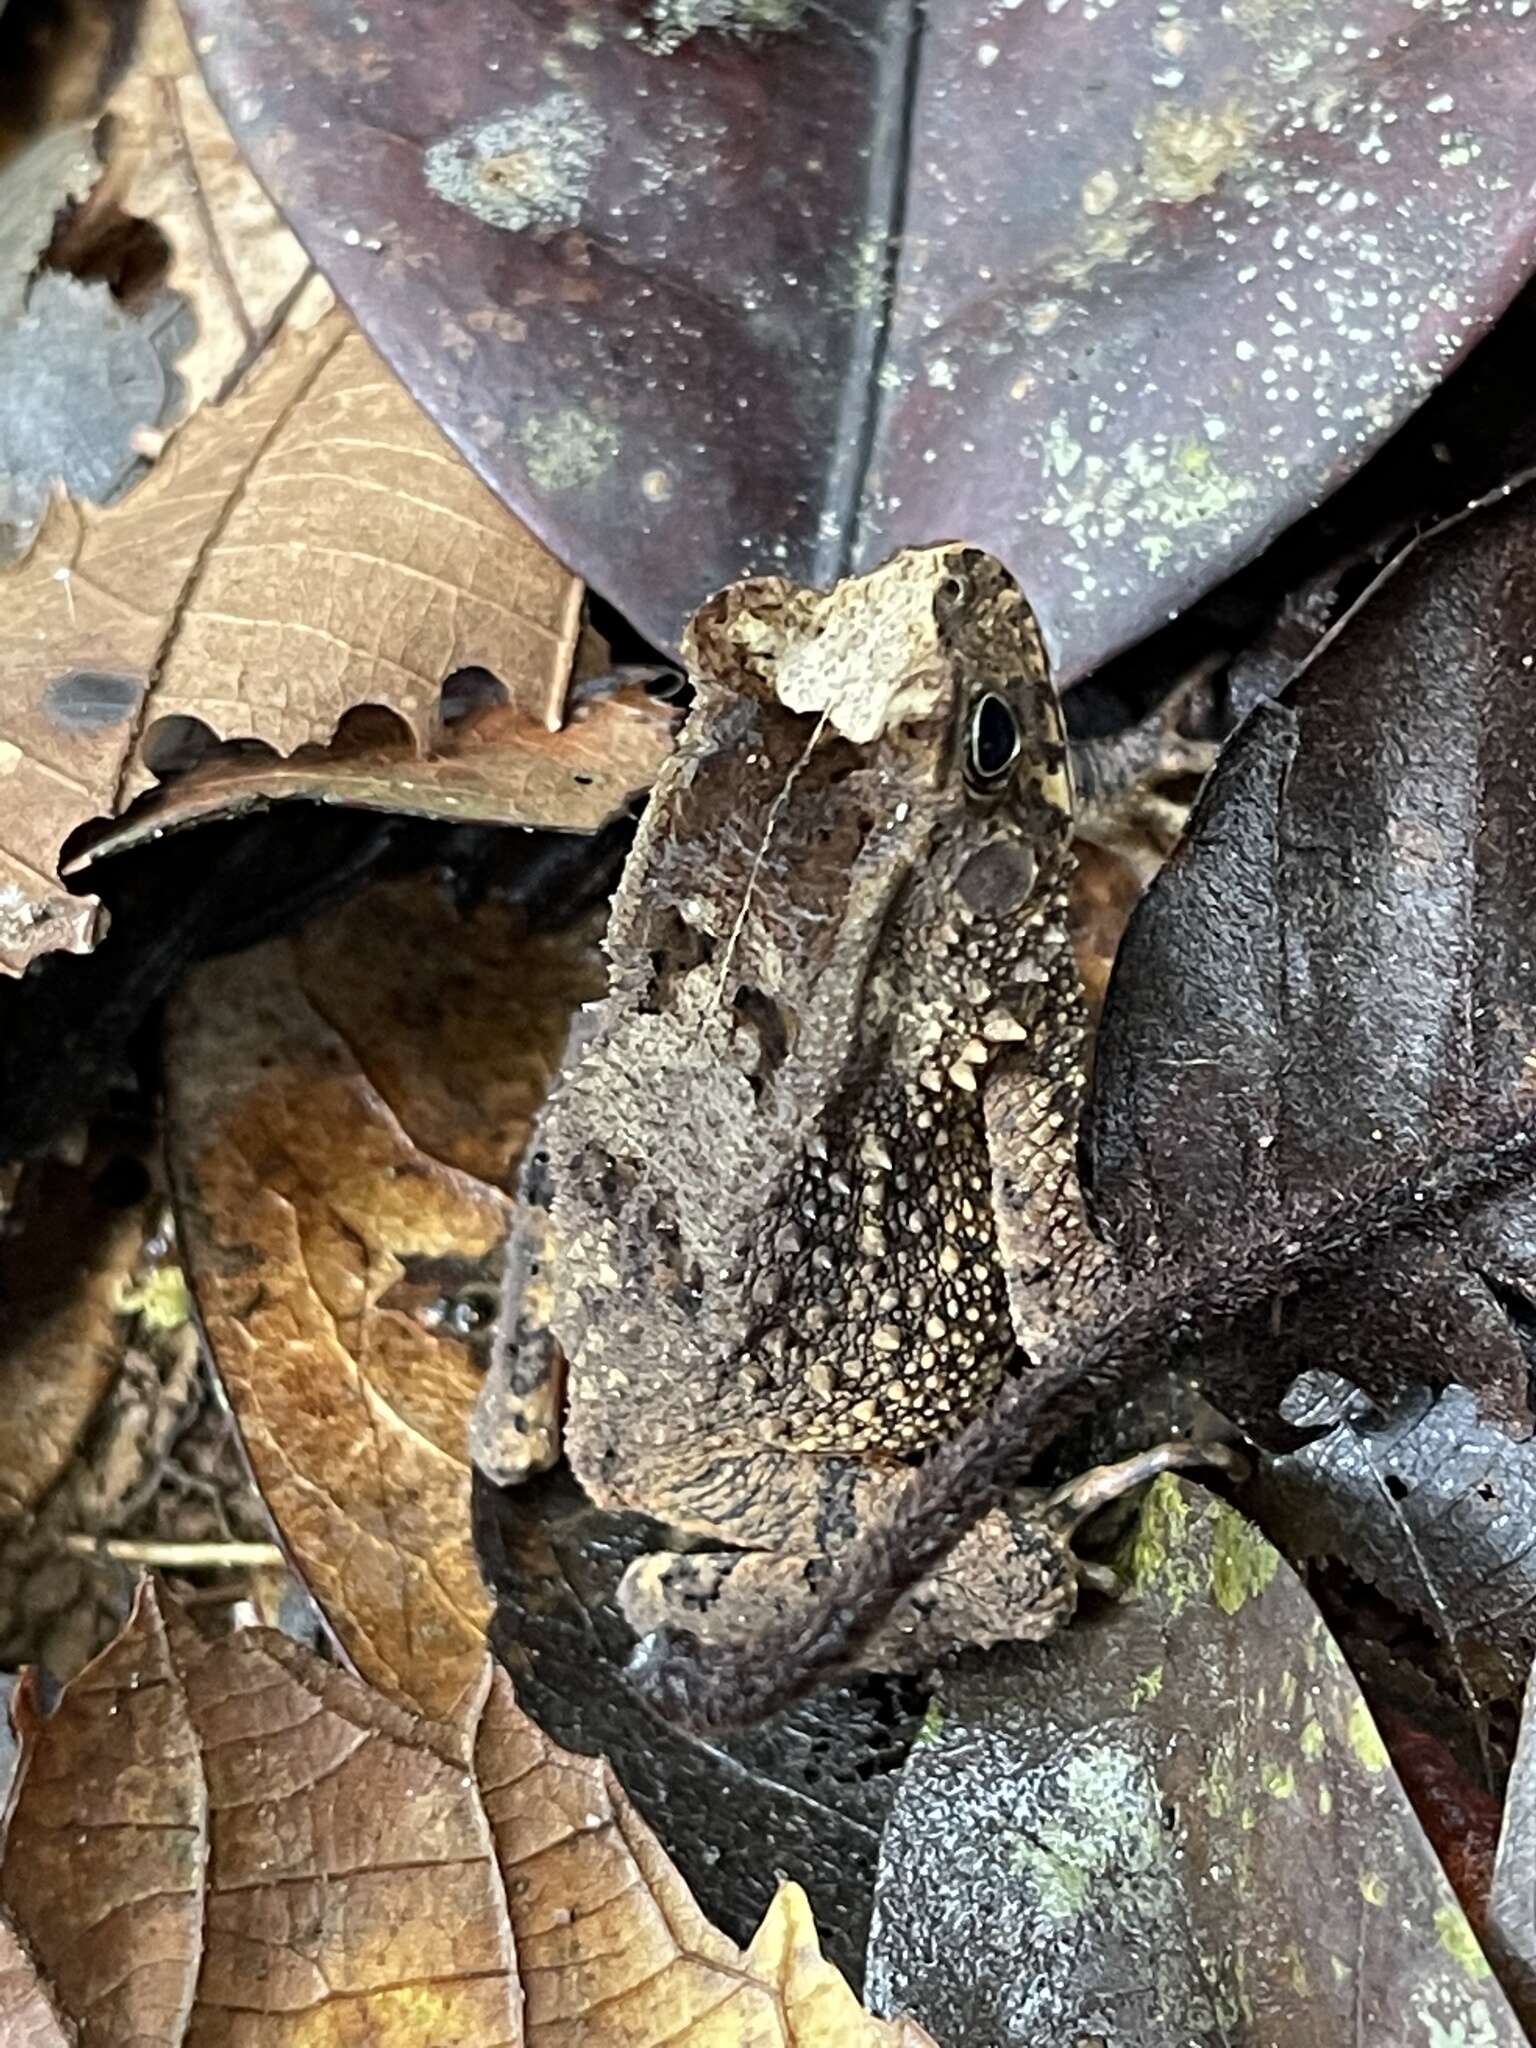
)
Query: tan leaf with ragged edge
[
  {"x": 359, "y": 1875},
  {"x": 171, "y": 159},
  {"x": 311, "y": 546},
  {"x": 613, "y": 1946},
  {"x": 496, "y": 766}
]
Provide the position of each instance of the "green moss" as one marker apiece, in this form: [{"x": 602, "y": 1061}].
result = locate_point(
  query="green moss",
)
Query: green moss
[
  {"x": 1312, "y": 1740},
  {"x": 933, "y": 1724},
  {"x": 1242, "y": 1561},
  {"x": 1373, "y": 1888}
]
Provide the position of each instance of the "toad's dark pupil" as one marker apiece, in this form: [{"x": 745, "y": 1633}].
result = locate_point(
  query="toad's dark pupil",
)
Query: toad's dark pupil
[{"x": 993, "y": 741}]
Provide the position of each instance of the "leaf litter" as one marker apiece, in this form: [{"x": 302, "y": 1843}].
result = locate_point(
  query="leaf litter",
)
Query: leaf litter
[
  {"x": 394, "y": 1323},
  {"x": 1121, "y": 349},
  {"x": 278, "y": 1847}
]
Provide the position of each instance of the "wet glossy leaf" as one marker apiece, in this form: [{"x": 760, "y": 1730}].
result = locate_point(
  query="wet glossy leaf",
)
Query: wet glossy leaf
[
  {"x": 232, "y": 1845},
  {"x": 1175, "y": 1822},
  {"x": 766, "y": 285},
  {"x": 1511, "y": 1923},
  {"x": 1432, "y": 1507}
]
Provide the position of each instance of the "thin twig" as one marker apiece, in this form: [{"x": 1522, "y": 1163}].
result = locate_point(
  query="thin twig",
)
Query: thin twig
[{"x": 177, "y": 1557}]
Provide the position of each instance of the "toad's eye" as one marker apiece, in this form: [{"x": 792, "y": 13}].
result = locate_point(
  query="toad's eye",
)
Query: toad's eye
[{"x": 993, "y": 742}]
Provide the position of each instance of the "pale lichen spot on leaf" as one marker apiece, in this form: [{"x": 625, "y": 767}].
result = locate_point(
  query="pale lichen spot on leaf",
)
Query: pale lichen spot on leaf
[
  {"x": 1448, "y": 2018},
  {"x": 526, "y": 167},
  {"x": 671, "y": 23},
  {"x": 568, "y": 448},
  {"x": 1111, "y": 1822}
]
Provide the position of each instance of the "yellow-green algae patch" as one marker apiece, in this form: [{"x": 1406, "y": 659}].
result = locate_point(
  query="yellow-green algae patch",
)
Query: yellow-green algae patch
[
  {"x": 161, "y": 1298},
  {"x": 1242, "y": 1562},
  {"x": 1156, "y": 1556},
  {"x": 1459, "y": 1942},
  {"x": 1147, "y": 1686},
  {"x": 1367, "y": 1745},
  {"x": 1278, "y": 1779}
]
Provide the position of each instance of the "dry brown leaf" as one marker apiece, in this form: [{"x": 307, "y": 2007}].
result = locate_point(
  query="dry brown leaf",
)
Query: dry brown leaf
[
  {"x": 310, "y": 546},
  {"x": 332, "y": 1099},
  {"x": 28, "y": 2017},
  {"x": 1105, "y": 890},
  {"x": 497, "y": 766},
  {"x": 230, "y": 1845},
  {"x": 171, "y": 160},
  {"x": 66, "y": 1260},
  {"x": 611, "y": 1945}
]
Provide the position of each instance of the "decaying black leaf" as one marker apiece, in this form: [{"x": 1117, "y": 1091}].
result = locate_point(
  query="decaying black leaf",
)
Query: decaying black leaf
[
  {"x": 1177, "y": 1822},
  {"x": 1335, "y": 977}
]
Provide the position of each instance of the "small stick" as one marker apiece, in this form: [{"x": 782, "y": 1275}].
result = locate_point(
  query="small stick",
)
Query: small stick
[{"x": 178, "y": 1557}]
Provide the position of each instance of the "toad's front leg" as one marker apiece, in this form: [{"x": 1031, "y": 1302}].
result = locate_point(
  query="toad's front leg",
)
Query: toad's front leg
[{"x": 1013, "y": 1578}]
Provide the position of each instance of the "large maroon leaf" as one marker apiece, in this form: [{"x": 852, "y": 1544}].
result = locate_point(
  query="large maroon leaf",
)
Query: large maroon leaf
[{"x": 703, "y": 286}]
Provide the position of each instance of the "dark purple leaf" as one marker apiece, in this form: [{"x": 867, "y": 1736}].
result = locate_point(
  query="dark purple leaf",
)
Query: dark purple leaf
[
  {"x": 1334, "y": 976},
  {"x": 707, "y": 286}
]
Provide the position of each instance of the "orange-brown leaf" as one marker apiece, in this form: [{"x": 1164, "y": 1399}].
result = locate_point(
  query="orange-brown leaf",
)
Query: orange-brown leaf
[
  {"x": 358, "y": 1876},
  {"x": 346, "y": 1107},
  {"x": 66, "y": 1260}
]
